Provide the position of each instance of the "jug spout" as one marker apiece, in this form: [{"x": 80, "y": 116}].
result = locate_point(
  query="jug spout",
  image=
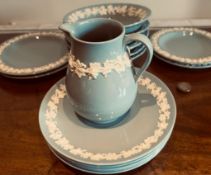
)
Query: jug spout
[{"x": 65, "y": 28}]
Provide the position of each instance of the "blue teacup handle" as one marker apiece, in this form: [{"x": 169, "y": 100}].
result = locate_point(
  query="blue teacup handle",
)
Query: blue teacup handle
[{"x": 145, "y": 40}]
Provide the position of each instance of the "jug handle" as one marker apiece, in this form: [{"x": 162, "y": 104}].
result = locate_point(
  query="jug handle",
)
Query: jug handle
[{"x": 145, "y": 40}]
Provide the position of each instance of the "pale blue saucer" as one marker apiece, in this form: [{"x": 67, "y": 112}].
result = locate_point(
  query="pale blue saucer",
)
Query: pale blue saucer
[{"x": 183, "y": 47}]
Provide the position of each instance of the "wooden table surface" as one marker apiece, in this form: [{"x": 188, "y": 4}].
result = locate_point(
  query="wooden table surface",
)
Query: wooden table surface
[{"x": 23, "y": 150}]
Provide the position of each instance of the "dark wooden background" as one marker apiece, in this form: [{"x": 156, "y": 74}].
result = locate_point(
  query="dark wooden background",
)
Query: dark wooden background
[{"x": 23, "y": 150}]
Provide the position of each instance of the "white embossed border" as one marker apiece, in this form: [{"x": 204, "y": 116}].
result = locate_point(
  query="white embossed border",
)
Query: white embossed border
[
  {"x": 93, "y": 69},
  {"x": 130, "y": 10},
  {"x": 191, "y": 61},
  {"x": 4, "y": 68},
  {"x": 59, "y": 139}
]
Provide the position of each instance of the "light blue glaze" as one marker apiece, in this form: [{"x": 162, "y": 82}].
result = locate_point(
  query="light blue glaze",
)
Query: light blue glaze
[
  {"x": 186, "y": 44},
  {"x": 104, "y": 99}
]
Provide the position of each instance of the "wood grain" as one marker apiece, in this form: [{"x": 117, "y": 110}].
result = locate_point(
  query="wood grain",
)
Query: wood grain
[{"x": 23, "y": 150}]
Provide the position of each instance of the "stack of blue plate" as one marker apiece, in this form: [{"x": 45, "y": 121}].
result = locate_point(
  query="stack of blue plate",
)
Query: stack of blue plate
[
  {"x": 135, "y": 140},
  {"x": 136, "y": 49},
  {"x": 133, "y": 16}
]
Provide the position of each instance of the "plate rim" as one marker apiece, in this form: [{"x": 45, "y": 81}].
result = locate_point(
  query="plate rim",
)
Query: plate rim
[
  {"x": 161, "y": 144},
  {"x": 130, "y": 167},
  {"x": 144, "y": 28},
  {"x": 147, "y": 10},
  {"x": 182, "y": 65},
  {"x": 41, "y": 75}
]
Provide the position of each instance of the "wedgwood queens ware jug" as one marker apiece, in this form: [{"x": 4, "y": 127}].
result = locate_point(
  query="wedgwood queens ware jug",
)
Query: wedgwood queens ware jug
[{"x": 100, "y": 79}]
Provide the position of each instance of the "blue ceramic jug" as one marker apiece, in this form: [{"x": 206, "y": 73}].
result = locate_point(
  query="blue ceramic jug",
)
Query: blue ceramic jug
[{"x": 100, "y": 80}]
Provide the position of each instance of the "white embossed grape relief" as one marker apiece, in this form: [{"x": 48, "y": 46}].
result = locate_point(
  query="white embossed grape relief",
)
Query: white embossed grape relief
[
  {"x": 109, "y": 9},
  {"x": 4, "y": 68},
  {"x": 118, "y": 64},
  {"x": 60, "y": 140}
]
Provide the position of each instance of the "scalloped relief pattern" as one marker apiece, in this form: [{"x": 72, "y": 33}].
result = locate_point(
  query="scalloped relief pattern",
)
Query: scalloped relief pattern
[
  {"x": 103, "y": 10},
  {"x": 192, "y": 61},
  {"x": 59, "y": 139},
  {"x": 4, "y": 68},
  {"x": 119, "y": 64}
]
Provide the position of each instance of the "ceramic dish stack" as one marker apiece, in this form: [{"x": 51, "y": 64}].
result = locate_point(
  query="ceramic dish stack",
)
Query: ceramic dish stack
[
  {"x": 33, "y": 55},
  {"x": 129, "y": 143},
  {"x": 183, "y": 47},
  {"x": 134, "y": 17}
]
